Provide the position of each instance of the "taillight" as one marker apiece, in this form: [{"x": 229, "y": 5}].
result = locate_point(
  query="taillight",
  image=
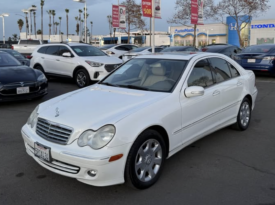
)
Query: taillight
[
  {"x": 204, "y": 49},
  {"x": 110, "y": 52},
  {"x": 12, "y": 47},
  {"x": 29, "y": 57},
  {"x": 269, "y": 58}
]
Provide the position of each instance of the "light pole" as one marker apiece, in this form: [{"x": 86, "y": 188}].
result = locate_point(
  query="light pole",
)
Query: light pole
[
  {"x": 25, "y": 11},
  {"x": 207, "y": 31},
  {"x": 85, "y": 17},
  {"x": 3, "y": 17},
  {"x": 29, "y": 11}
]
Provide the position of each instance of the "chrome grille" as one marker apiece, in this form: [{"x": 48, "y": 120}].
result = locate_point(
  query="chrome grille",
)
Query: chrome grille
[
  {"x": 111, "y": 67},
  {"x": 53, "y": 132}
]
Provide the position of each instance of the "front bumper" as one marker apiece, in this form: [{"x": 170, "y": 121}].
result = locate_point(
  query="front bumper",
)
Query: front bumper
[{"x": 73, "y": 161}]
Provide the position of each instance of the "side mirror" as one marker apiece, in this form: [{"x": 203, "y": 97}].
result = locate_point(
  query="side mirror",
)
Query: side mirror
[
  {"x": 67, "y": 54},
  {"x": 194, "y": 91}
]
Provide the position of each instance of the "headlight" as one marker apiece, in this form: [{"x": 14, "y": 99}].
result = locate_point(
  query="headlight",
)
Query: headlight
[
  {"x": 94, "y": 64},
  {"x": 33, "y": 117},
  {"x": 1, "y": 85},
  {"x": 237, "y": 58},
  {"x": 97, "y": 139},
  {"x": 42, "y": 77}
]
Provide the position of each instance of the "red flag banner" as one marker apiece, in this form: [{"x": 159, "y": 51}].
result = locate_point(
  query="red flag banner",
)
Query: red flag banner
[
  {"x": 147, "y": 8},
  {"x": 115, "y": 16},
  {"x": 194, "y": 11}
]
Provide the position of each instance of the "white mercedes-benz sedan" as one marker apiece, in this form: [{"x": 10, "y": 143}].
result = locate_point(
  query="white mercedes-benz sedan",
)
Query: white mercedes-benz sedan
[{"x": 123, "y": 128}]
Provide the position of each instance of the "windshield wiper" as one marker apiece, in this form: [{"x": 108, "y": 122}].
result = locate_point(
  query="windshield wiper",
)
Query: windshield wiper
[
  {"x": 133, "y": 87},
  {"x": 109, "y": 84}
]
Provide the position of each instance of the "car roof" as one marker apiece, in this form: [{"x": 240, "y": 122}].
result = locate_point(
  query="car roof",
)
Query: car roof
[
  {"x": 179, "y": 55},
  {"x": 219, "y": 46}
]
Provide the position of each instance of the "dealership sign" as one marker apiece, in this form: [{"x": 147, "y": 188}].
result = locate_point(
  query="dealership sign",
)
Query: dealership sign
[
  {"x": 185, "y": 30},
  {"x": 147, "y": 9},
  {"x": 122, "y": 17},
  {"x": 119, "y": 16},
  {"x": 115, "y": 16},
  {"x": 197, "y": 12},
  {"x": 263, "y": 26}
]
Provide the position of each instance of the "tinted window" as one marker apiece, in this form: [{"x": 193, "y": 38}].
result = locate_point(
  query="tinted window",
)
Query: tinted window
[
  {"x": 63, "y": 49},
  {"x": 106, "y": 47},
  {"x": 157, "y": 50},
  {"x": 221, "y": 69},
  {"x": 32, "y": 42},
  {"x": 122, "y": 48},
  {"x": 140, "y": 49},
  {"x": 15, "y": 54},
  {"x": 173, "y": 49},
  {"x": 52, "y": 50},
  {"x": 148, "y": 74},
  {"x": 87, "y": 51},
  {"x": 214, "y": 49},
  {"x": 191, "y": 49},
  {"x": 201, "y": 75},
  {"x": 23, "y": 42},
  {"x": 258, "y": 49},
  {"x": 8, "y": 60},
  {"x": 234, "y": 71},
  {"x": 42, "y": 49}
]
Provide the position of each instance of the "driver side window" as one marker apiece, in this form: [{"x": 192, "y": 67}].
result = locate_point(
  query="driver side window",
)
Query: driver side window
[{"x": 201, "y": 75}]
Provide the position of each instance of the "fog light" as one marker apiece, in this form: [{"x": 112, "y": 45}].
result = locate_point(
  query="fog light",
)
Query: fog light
[
  {"x": 92, "y": 173},
  {"x": 96, "y": 75}
]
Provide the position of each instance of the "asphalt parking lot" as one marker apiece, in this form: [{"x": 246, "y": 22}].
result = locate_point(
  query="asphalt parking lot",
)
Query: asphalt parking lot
[{"x": 227, "y": 167}]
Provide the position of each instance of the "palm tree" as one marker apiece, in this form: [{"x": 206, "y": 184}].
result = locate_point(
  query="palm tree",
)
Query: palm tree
[
  {"x": 31, "y": 11},
  {"x": 14, "y": 37},
  {"x": 50, "y": 13},
  {"x": 20, "y": 23},
  {"x": 42, "y": 2},
  {"x": 34, "y": 22},
  {"x": 56, "y": 25},
  {"x": 77, "y": 25},
  {"x": 92, "y": 31},
  {"x": 60, "y": 18},
  {"x": 80, "y": 26},
  {"x": 81, "y": 32},
  {"x": 27, "y": 24},
  {"x": 67, "y": 17},
  {"x": 39, "y": 32},
  {"x": 53, "y": 14}
]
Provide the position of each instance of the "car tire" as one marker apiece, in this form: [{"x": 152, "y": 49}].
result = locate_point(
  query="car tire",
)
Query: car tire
[
  {"x": 39, "y": 67},
  {"x": 82, "y": 78},
  {"x": 146, "y": 160},
  {"x": 244, "y": 116}
]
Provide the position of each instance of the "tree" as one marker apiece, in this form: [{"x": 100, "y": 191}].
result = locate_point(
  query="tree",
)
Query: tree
[
  {"x": 109, "y": 19},
  {"x": 242, "y": 11},
  {"x": 182, "y": 14},
  {"x": 50, "y": 13},
  {"x": 60, "y": 18},
  {"x": 53, "y": 25},
  {"x": 77, "y": 25},
  {"x": 133, "y": 17},
  {"x": 27, "y": 24},
  {"x": 31, "y": 11},
  {"x": 20, "y": 23},
  {"x": 91, "y": 31},
  {"x": 67, "y": 17},
  {"x": 14, "y": 37},
  {"x": 83, "y": 33},
  {"x": 42, "y": 2},
  {"x": 39, "y": 32},
  {"x": 34, "y": 22},
  {"x": 56, "y": 25}
]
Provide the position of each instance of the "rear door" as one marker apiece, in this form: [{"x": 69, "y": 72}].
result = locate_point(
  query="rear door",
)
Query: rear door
[
  {"x": 231, "y": 86},
  {"x": 50, "y": 60}
]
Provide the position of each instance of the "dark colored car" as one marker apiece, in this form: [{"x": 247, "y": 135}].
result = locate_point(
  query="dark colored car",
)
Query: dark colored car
[
  {"x": 258, "y": 58},
  {"x": 228, "y": 50},
  {"x": 22, "y": 59},
  {"x": 20, "y": 82},
  {"x": 179, "y": 48},
  {"x": 6, "y": 46}
]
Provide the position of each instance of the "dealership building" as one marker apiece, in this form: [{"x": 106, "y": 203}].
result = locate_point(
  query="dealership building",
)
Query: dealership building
[{"x": 254, "y": 33}]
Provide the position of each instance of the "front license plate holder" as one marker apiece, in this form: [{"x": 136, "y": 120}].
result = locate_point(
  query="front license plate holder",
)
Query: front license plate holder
[
  {"x": 251, "y": 60},
  {"x": 42, "y": 152},
  {"x": 23, "y": 90}
]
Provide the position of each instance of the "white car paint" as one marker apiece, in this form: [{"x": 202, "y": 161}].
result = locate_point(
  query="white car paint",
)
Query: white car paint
[
  {"x": 119, "y": 50},
  {"x": 131, "y": 54},
  {"x": 185, "y": 120},
  {"x": 65, "y": 66}
]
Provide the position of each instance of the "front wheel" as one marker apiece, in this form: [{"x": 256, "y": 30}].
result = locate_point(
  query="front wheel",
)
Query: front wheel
[
  {"x": 244, "y": 116},
  {"x": 145, "y": 160},
  {"x": 82, "y": 78}
]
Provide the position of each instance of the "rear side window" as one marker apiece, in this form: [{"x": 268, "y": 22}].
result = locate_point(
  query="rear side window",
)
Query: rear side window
[
  {"x": 42, "y": 49},
  {"x": 201, "y": 75},
  {"x": 234, "y": 72},
  {"x": 52, "y": 50},
  {"x": 122, "y": 48},
  {"x": 221, "y": 69}
]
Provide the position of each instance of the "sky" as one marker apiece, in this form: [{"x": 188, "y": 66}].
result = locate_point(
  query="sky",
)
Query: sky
[{"x": 97, "y": 9}]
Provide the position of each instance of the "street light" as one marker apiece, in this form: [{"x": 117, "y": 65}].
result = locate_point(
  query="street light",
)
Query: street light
[
  {"x": 85, "y": 16},
  {"x": 3, "y": 17},
  {"x": 30, "y": 11},
  {"x": 25, "y": 11}
]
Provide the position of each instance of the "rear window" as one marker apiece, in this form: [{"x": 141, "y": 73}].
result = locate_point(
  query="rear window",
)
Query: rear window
[
  {"x": 173, "y": 49},
  {"x": 42, "y": 49},
  {"x": 33, "y": 42},
  {"x": 258, "y": 49},
  {"x": 140, "y": 49},
  {"x": 214, "y": 49}
]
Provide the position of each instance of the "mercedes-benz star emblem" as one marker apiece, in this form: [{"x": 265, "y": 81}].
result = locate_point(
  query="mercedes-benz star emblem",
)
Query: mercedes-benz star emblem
[
  {"x": 56, "y": 112},
  {"x": 22, "y": 84}
]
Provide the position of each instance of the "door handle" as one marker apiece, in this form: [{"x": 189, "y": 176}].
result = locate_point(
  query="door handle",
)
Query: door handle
[
  {"x": 25, "y": 46},
  {"x": 216, "y": 92},
  {"x": 239, "y": 83},
  {"x": 42, "y": 57},
  {"x": 57, "y": 60}
]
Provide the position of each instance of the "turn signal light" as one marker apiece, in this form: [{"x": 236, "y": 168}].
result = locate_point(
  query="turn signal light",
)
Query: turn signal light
[{"x": 116, "y": 157}]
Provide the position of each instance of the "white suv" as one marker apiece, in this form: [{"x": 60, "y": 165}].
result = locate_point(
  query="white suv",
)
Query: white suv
[
  {"x": 117, "y": 50},
  {"x": 82, "y": 62}
]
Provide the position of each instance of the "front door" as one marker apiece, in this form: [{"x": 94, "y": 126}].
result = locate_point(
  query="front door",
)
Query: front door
[
  {"x": 65, "y": 65},
  {"x": 200, "y": 114}
]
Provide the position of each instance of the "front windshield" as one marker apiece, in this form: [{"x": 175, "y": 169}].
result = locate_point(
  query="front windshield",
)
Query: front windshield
[
  {"x": 159, "y": 75},
  {"x": 140, "y": 49},
  {"x": 8, "y": 60},
  {"x": 258, "y": 49},
  {"x": 87, "y": 51},
  {"x": 15, "y": 54}
]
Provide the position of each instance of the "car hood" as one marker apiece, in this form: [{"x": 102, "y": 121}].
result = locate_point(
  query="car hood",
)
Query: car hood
[
  {"x": 103, "y": 59},
  {"x": 96, "y": 106},
  {"x": 17, "y": 74}
]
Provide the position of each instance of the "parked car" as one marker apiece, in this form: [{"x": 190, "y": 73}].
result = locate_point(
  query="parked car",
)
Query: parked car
[
  {"x": 258, "y": 58},
  {"x": 26, "y": 47},
  {"x": 179, "y": 48},
  {"x": 117, "y": 50},
  {"x": 82, "y": 62},
  {"x": 228, "y": 50},
  {"x": 124, "y": 127},
  {"x": 9, "y": 46},
  {"x": 140, "y": 51},
  {"x": 20, "y": 82},
  {"x": 18, "y": 56}
]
